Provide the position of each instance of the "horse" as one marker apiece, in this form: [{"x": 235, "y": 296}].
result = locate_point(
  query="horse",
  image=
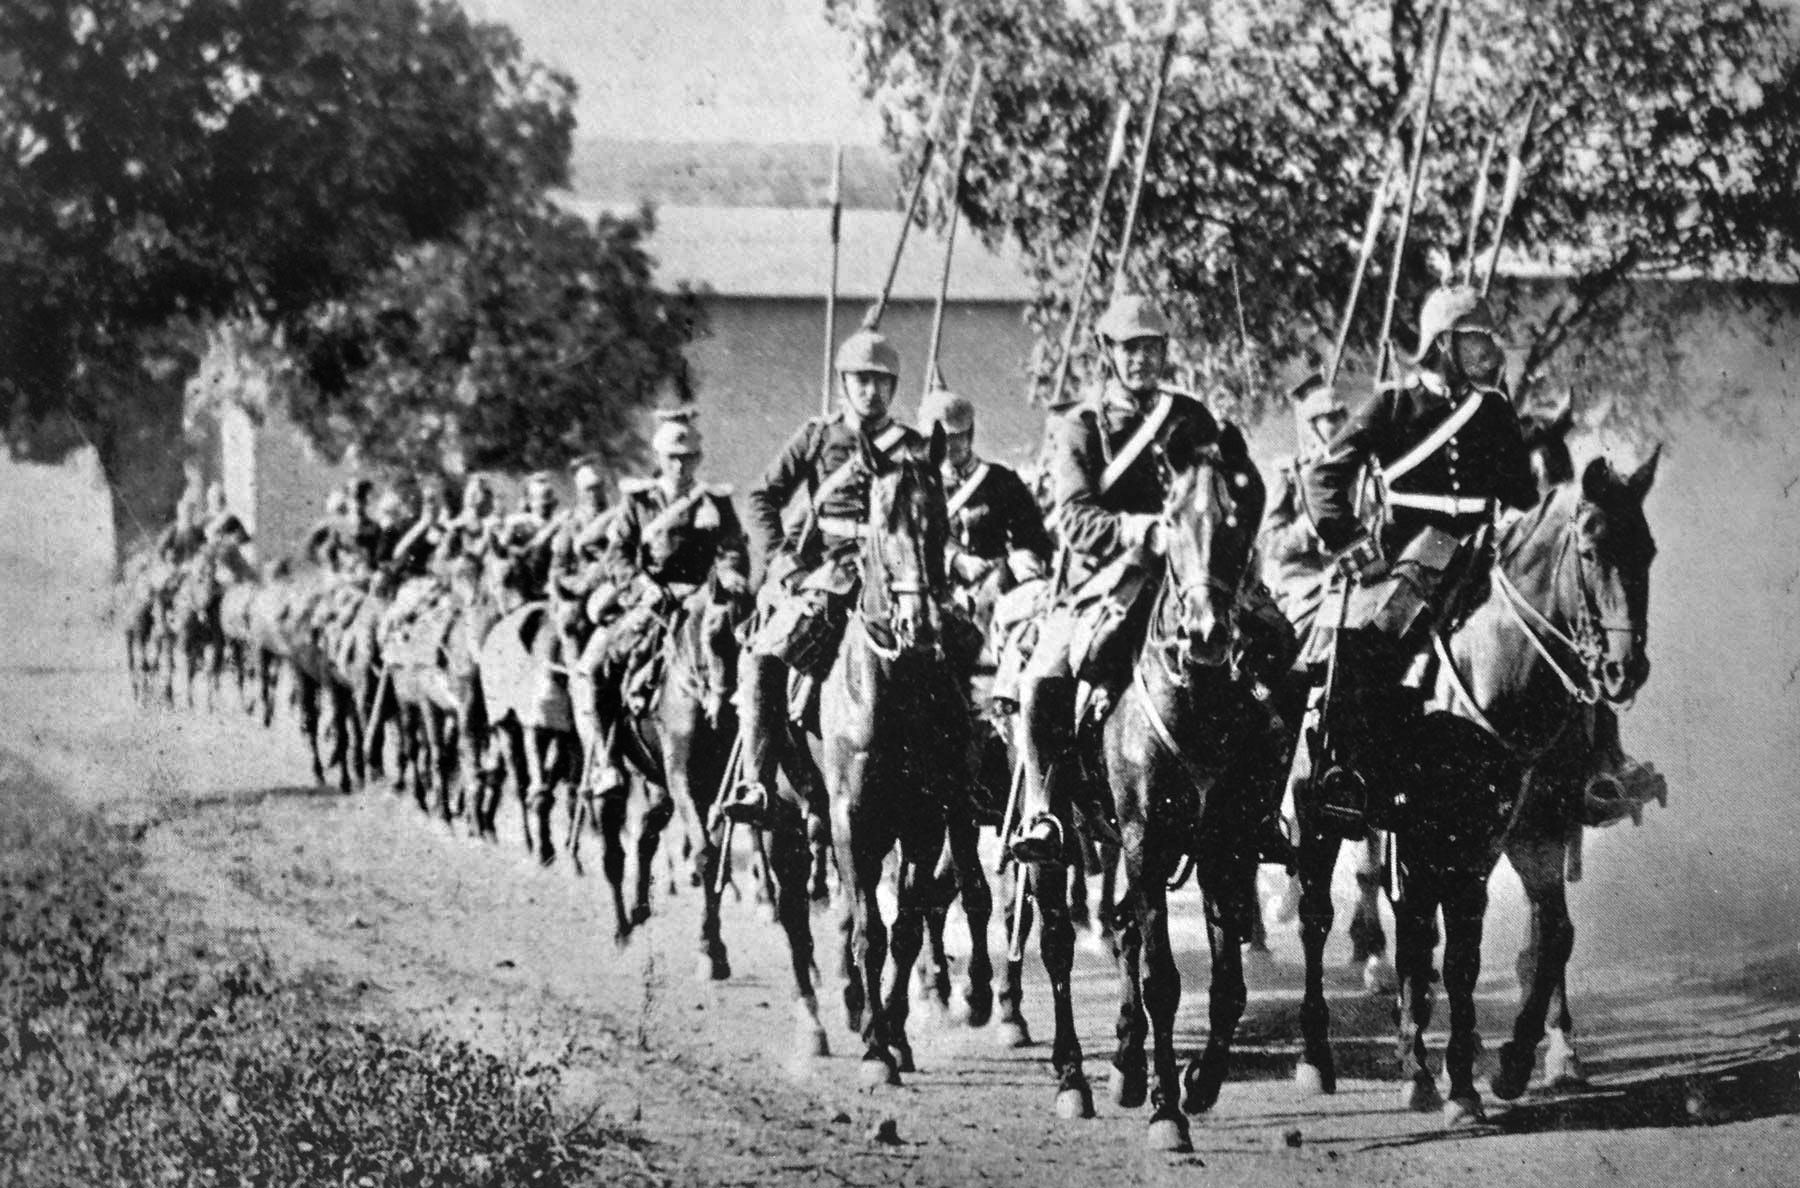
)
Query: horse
[
  {"x": 527, "y": 706},
  {"x": 148, "y": 640},
  {"x": 1190, "y": 755},
  {"x": 680, "y": 742},
  {"x": 194, "y": 623},
  {"x": 1488, "y": 770},
  {"x": 431, "y": 686}
]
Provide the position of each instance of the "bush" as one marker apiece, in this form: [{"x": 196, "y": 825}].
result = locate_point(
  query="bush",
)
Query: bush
[{"x": 128, "y": 1055}]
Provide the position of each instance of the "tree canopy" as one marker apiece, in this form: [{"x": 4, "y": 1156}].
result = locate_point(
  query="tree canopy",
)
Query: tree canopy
[{"x": 1664, "y": 145}]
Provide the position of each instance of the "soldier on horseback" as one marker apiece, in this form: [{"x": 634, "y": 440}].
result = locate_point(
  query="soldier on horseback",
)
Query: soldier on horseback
[
  {"x": 1295, "y": 562},
  {"x": 358, "y": 544},
  {"x": 1108, "y": 490},
  {"x": 184, "y": 538},
  {"x": 813, "y": 574},
  {"x": 672, "y": 535},
  {"x": 1446, "y": 444}
]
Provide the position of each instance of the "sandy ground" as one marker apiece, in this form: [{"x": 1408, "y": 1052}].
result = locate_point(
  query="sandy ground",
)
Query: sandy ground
[{"x": 1693, "y": 1059}]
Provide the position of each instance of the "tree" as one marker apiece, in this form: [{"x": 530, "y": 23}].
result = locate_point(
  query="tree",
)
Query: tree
[
  {"x": 530, "y": 338},
  {"x": 1664, "y": 145},
  {"x": 164, "y": 163}
]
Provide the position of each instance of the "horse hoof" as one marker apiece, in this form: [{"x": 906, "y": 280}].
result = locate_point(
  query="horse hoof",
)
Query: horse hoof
[
  {"x": 1310, "y": 1081},
  {"x": 1378, "y": 975},
  {"x": 1127, "y": 1088},
  {"x": 1463, "y": 1111},
  {"x": 903, "y": 1057},
  {"x": 1562, "y": 1067},
  {"x": 1201, "y": 1082},
  {"x": 640, "y": 914},
  {"x": 1012, "y": 1034},
  {"x": 876, "y": 1073},
  {"x": 977, "y": 1009},
  {"x": 1515, "y": 1072},
  {"x": 1420, "y": 1095},
  {"x": 1168, "y": 1134},
  {"x": 810, "y": 1042},
  {"x": 1074, "y": 1104}
]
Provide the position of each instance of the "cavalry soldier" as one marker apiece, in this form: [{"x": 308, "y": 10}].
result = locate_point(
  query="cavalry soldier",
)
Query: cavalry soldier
[
  {"x": 410, "y": 555},
  {"x": 672, "y": 534},
  {"x": 1108, "y": 491},
  {"x": 1295, "y": 562},
  {"x": 997, "y": 535},
  {"x": 358, "y": 545},
  {"x": 523, "y": 542},
  {"x": 184, "y": 538},
  {"x": 321, "y": 541},
  {"x": 1447, "y": 445},
  {"x": 578, "y": 554},
  {"x": 812, "y": 576}
]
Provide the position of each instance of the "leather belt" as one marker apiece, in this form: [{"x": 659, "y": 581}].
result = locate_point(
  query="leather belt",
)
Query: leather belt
[
  {"x": 842, "y": 526},
  {"x": 1448, "y": 505}
]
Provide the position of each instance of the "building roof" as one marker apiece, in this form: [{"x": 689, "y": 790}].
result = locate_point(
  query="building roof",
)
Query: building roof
[{"x": 785, "y": 253}]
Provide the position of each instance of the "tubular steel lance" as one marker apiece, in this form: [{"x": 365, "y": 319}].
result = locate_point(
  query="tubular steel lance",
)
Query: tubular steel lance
[
  {"x": 872, "y": 316},
  {"x": 1478, "y": 205},
  {"x": 1115, "y": 154},
  {"x": 964, "y": 129},
  {"x": 837, "y": 219},
  {"x": 1371, "y": 233},
  {"x": 1412, "y": 189},
  {"x": 1515, "y": 177},
  {"x": 1171, "y": 34}
]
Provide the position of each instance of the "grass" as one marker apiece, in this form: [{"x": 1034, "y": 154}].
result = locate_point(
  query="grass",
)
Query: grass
[{"x": 136, "y": 1048}]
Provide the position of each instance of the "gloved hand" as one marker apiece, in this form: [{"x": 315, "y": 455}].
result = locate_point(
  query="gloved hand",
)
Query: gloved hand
[
  {"x": 1143, "y": 532},
  {"x": 1361, "y": 561},
  {"x": 732, "y": 582},
  {"x": 969, "y": 568}
]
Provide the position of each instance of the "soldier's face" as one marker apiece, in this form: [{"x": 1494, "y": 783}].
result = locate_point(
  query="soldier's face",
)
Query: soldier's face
[
  {"x": 1325, "y": 427},
  {"x": 678, "y": 469},
  {"x": 1139, "y": 362},
  {"x": 1478, "y": 357},
  {"x": 868, "y": 393},
  {"x": 589, "y": 495},
  {"x": 959, "y": 448}
]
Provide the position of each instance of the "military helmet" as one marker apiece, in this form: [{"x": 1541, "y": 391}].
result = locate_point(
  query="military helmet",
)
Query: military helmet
[
  {"x": 944, "y": 407},
  {"x": 676, "y": 436},
  {"x": 867, "y": 350},
  {"x": 1129, "y": 317},
  {"x": 587, "y": 476},
  {"x": 1449, "y": 308},
  {"x": 1311, "y": 397}
]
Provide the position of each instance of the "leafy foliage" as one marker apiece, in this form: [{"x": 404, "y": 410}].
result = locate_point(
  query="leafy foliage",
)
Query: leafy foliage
[
  {"x": 165, "y": 162},
  {"x": 131, "y": 1054},
  {"x": 529, "y": 338},
  {"x": 1665, "y": 143}
]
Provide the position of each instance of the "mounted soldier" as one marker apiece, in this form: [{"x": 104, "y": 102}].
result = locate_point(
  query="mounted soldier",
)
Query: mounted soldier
[
  {"x": 1109, "y": 494},
  {"x": 184, "y": 538},
  {"x": 1296, "y": 563},
  {"x": 1446, "y": 445},
  {"x": 321, "y": 540},
  {"x": 673, "y": 534},
  {"x": 358, "y": 546},
  {"x": 521, "y": 546},
  {"x": 812, "y": 576},
  {"x": 997, "y": 534}
]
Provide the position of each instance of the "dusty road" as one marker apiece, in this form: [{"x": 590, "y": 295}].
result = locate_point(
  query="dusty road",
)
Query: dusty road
[{"x": 473, "y": 937}]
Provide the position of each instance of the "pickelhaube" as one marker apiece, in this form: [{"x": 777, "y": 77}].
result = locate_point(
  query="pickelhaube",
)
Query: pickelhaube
[
  {"x": 1311, "y": 397},
  {"x": 1129, "y": 317},
  {"x": 944, "y": 407},
  {"x": 676, "y": 435},
  {"x": 867, "y": 350},
  {"x": 1449, "y": 308}
]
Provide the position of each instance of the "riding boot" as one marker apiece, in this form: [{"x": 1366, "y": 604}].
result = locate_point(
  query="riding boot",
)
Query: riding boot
[
  {"x": 1365, "y": 716},
  {"x": 1617, "y": 785},
  {"x": 762, "y": 705},
  {"x": 1048, "y": 712}
]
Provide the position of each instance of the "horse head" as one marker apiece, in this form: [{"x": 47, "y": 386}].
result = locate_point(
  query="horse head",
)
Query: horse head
[
  {"x": 1613, "y": 548},
  {"x": 1210, "y": 515},
  {"x": 903, "y": 554}
]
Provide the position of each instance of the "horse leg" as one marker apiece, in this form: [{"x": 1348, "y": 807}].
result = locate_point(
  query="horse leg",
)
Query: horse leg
[
  {"x": 1368, "y": 940},
  {"x": 614, "y": 808},
  {"x": 1012, "y": 1032},
  {"x": 791, "y": 860},
  {"x": 538, "y": 795},
  {"x": 934, "y": 973},
  {"x": 1541, "y": 963},
  {"x": 861, "y": 857},
  {"x": 963, "y": 837},
  {"x": 309, "y": 724},
  {"x": 1416, "y": 938},
  {"x": 1226, "y": 998},
  {"x": 919, "y": 856},
  {"x": 1056, "y": 946},
  {"x": 1317, "y": 1071},
  {"x": 1465, "y": 910}
]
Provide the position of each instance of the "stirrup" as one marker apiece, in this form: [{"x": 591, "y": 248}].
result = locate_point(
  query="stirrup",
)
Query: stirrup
[
  {"x": 1274, "y": 847},
  {"x": 1039, "y": 841},
  {"x": 1341, "y": 797},
  {"x": 747, "y": 804}
]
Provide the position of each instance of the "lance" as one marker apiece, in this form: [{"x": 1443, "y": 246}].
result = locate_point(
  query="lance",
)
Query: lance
[
  {"x": 837, "y": 218},
  {"x": 1115, "y": 153},
  {"x": 1171, "y": 33},
  {"x": 872, "y": 316},
  {"x": 1515, "y": 176},
  {"x": 1371, "y": 233},
  {"x": 963, "y": 132},
  {"x": 1237, "y": 299},
  {"x": 1478, "y": 205},
  {"x": 1412, "y": 188}
]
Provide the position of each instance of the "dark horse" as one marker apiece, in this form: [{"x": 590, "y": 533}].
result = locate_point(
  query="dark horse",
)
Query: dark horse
[
  {"x": 893, "y": 724},
  {"x": 681, "y": 743},
  {"x": 1562, "y": 627},
  {"x": 1190, "y": 757}
]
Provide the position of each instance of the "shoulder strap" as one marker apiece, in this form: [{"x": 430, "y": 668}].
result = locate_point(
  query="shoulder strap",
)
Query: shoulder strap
[
  {"x": 676, "y": 509},
  {"x": 1452, "y": 425},
  {"x": 885, "y": 441},
  {"x": 965, "y": 492},
  {"x": 1140, "y": 441}
]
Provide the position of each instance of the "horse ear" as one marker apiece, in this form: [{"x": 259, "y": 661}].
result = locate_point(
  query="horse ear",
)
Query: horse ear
[
  {"x": 1232, "y": 446},
  {"x": 937, "y": 448},
  {"x": 1596, "y": 480},
  {"x": 1641, "y": 478}
]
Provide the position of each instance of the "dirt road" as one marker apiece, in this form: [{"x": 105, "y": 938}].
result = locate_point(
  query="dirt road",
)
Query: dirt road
[{"x": 1694, "y": 1064}]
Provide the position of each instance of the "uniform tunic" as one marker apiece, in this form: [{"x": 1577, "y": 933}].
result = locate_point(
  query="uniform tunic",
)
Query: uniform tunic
[
  {"x": 1485, "y": 460},
  {"x": 998, "y": 516},
  {"x": 682, "y": 549},
  {"x": 809, "y": 458}
]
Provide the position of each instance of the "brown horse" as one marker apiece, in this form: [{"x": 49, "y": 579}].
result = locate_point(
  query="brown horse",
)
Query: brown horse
[
  {"x": 194, "y": 623},
  {"x": 1191, "y": 756},
  {"x": 1562, "y": 627}
]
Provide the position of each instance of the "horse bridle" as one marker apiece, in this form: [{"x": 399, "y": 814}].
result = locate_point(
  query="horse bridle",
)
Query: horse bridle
[{"x": 1229, "y": 596}]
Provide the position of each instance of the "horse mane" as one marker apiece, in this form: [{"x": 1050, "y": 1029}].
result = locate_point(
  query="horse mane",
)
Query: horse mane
[{"x": 1520, "y": 531}]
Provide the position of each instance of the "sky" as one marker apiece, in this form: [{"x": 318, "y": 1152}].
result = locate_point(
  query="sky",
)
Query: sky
[{"x": 765, "y": 71}]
